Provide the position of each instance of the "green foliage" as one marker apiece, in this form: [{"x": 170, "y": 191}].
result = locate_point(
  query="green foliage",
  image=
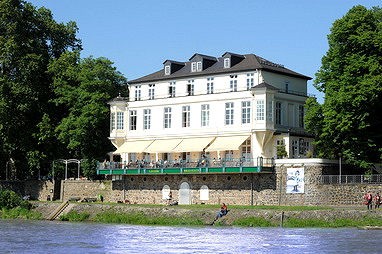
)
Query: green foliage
[
  {"x": 74, "y": 216},
  {"x": 9, "y": 199},
  {"x": 349, "y": 120},
  {"x": 19, "y": 213},
  {"x": 83, "y": 87},
  {"x": 89, "y": 168},
  {"x": 137, "y": 218},
  {"x": 254, "y": 222},
  {"x": 281, "y": 152},
  {"x": 53, "y": 104},
  {"x": 29, "y": 40}
]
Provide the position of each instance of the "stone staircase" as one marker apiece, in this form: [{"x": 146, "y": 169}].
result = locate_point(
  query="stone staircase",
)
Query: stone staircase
[{"x": 65, "y": 207}]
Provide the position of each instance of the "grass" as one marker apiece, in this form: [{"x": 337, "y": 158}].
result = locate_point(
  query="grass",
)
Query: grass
[
  {"x": 74, "y": 216},
  {"x": 19, "y": 213},
  {"x": 139, "y": 218}
]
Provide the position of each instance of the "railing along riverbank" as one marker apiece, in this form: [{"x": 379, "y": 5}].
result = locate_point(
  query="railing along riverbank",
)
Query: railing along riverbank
[{"x": 350, "y": 179}]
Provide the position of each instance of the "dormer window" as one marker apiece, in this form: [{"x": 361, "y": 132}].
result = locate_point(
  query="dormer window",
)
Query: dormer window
[
  {"x": 193, "y": 67},
  {"x": 227, "y": 62},
  {"x": 199, "y": 66},
  {"x": 167, "y": 70}
]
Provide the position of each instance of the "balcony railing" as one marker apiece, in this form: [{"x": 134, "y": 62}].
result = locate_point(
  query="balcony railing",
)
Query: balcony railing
[{"x": 203, "y": 165}]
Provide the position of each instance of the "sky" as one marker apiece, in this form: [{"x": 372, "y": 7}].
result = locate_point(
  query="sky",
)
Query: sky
[{"x": 138, "y": 36}]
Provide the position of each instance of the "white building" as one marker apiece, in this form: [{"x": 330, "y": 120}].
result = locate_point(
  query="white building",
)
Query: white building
[{"x": 229, "y": 107}]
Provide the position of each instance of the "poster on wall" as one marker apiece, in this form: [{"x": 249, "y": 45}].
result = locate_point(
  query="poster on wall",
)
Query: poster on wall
[{"x": 295, "y": 180}]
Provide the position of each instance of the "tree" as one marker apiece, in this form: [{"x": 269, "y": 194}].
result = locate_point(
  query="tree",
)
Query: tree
[
  {"x": 349, "y": 120},
  {"x": 29, "y": 40},
  {"x": 83, "y": 87}
]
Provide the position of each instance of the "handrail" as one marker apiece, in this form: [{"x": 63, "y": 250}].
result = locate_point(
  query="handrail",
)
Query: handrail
[{"x": 350, "y": 179}]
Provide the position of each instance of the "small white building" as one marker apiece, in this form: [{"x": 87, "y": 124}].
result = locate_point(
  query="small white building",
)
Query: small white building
[{"x": 229, "y": 107}]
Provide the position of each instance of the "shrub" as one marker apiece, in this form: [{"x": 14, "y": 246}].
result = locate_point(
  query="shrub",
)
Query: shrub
[
  {"x": 9, "y": 199},
  {"x": 74, "y": 216}
]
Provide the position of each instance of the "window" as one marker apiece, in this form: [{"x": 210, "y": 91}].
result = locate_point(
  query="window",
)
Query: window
[
  {"x": 294, "y": 148},
  {"x": 146, "y": 119},
  {"x": 287, "y": 86},
  {"x": 278, "y": 112},
  {"x": 112, "y": 121},
  {"x": 167, "y": 70},
  {"x": 151, "y": 91},
  {"x": 120, "y": 120},
  {"x": 301, "y": 116},
  {"x": 199, "y": 66},
  {"x": 186, "y": 116},
  {"x": 167, "y": 118},
  {"x": 193, "y": 67},
  {"x": 190, "y": 87},
  {"x": 133, "y": 120},
  {"x": 270, "y": 111},
  {"x": 229, "y": 113},
  {"x": 260, "y": 110},
  {"x": 246, "y": 150},
  {"x": 233, "y": 83},
  {"x": 249, "y": 80},
  {"x": 171, "y": 89},
  {"x": 205, "y": 114},
  {"x": 210, "y": 85},
  {"x": 228, "y": 155},
  {"x": 137, "y": 93},
  {"x": 227, "y": 62},
  {"x": 245, "y": 112}
]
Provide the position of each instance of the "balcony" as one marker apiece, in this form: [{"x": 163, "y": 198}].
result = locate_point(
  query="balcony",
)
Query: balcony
[{"x": 202, "y": 166}]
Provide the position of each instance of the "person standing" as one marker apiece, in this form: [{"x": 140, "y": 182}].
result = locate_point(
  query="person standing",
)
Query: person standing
[
  {"x": 369, "y": 200},
  {"x": 377, "y": 200}
]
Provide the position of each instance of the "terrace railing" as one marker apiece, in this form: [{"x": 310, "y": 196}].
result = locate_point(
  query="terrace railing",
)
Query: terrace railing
[{"x": 350, "y": 179}]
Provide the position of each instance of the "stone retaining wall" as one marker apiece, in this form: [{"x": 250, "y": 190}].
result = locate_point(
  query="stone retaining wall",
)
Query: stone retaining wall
[{"x": 234, "y": 189}]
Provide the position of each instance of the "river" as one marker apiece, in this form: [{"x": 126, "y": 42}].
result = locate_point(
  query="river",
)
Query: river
[{"x": 65, "y": 237}]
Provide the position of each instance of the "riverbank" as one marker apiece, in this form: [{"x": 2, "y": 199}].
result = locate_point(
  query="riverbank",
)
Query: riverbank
[{"x": 195, "y": 215}]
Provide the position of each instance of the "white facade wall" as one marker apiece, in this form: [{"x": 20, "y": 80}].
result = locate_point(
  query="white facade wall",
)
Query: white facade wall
[{"x": 263, "y": 142}]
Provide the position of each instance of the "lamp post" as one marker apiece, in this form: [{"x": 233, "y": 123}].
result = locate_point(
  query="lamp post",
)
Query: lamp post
[{"x": 340, "y": 167}]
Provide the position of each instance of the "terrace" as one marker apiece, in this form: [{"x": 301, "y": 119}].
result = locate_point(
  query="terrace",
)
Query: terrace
[{"x": 201, "y": 166}]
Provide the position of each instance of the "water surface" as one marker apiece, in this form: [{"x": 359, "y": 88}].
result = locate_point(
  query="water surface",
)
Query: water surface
[{"x": 65, "y": 237}]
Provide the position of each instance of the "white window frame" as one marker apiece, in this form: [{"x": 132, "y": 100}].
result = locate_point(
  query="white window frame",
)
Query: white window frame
[
  {"x": 245, "y": 112},
  {"x": 193, "y": 67},
  {"x": 138, "y": 93},
  {"x": 151, "y": 91},
  {"x": 112, "y": 121},
  {"x": 167, "y": 117},
  {"x": 146, "y": 119},
  {"x": 133, "y": 120},
  {"x": 199, "y": 66},
  {"x": 250, "y": 81},
  {"x": 120, "y": 120},
  {"x": 186, "y": 116},
  {"x": 167, "y": 70},
  {"x": 205, "y": 115},
  {"x": 210, "y": 85},
  {"x": 229, "y": 113},
  {"x": 227, "y": 62},
  {"x": 260, "y": 110},
  {"x": 191, "y": 88},
  {"x": 233, "y": 83},
  {"x": 171, "y": 89}
]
